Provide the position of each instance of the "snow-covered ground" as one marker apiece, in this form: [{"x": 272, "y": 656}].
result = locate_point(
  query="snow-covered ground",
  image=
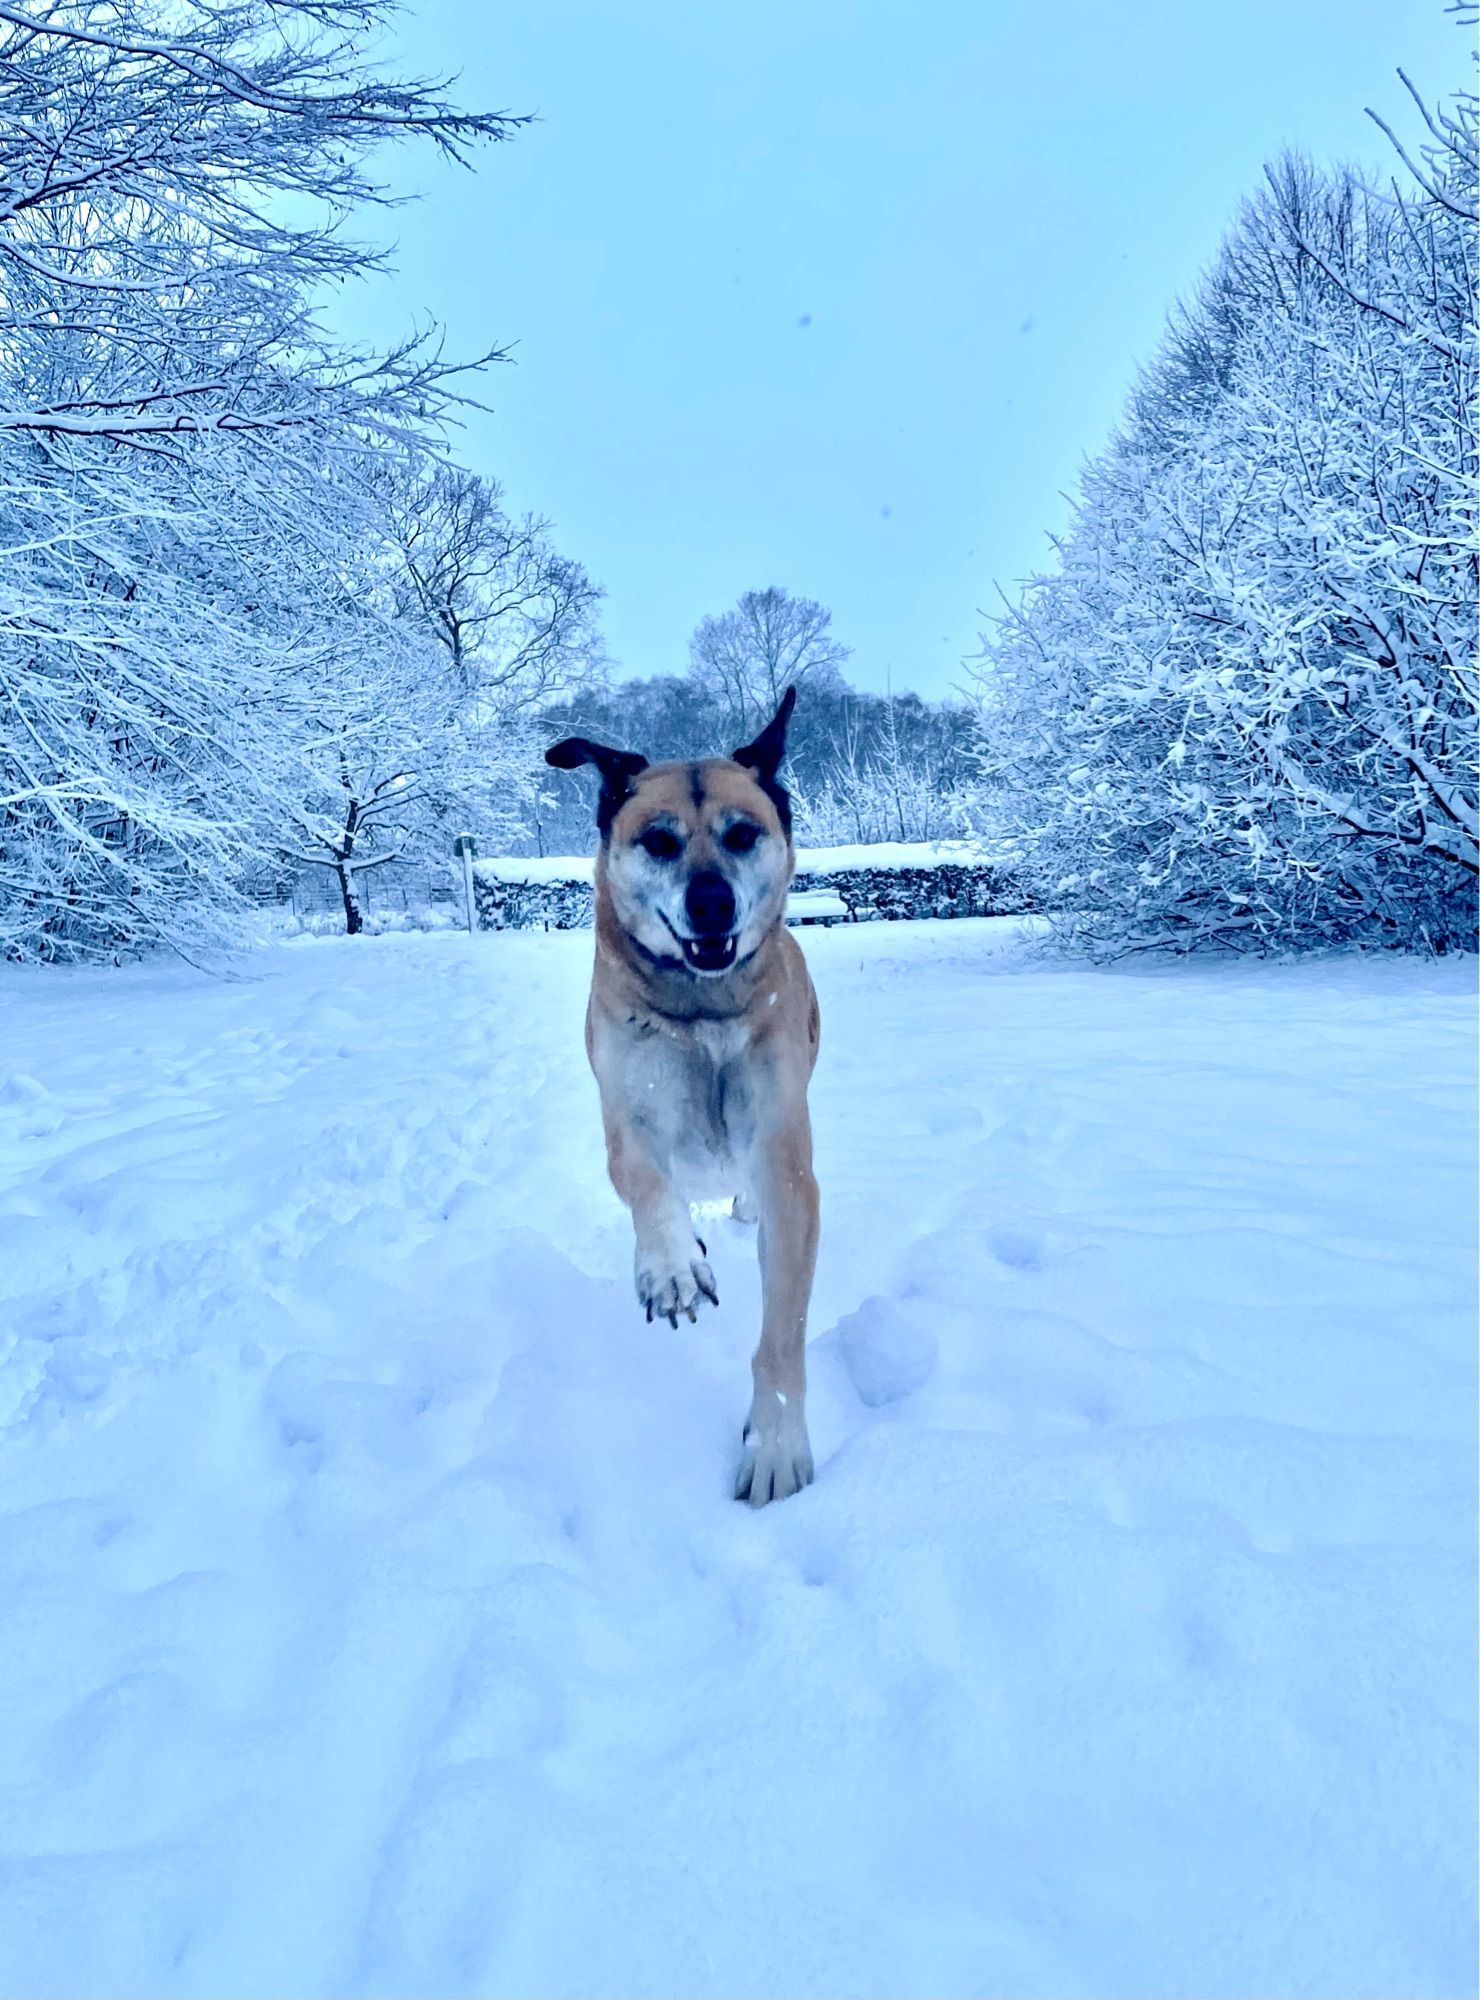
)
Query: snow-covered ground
[{"x": 373, "y": 1616}]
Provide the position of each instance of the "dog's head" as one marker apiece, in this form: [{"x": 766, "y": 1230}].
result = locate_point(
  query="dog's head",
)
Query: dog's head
[{"x": 696, "y": 857}]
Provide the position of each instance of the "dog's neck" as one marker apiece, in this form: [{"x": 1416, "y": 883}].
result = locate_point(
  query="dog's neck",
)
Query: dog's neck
[{"x": 665, "y": 985}]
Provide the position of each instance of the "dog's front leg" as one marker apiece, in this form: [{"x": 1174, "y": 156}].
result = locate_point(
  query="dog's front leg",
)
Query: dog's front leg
[
  {"x": 670, "y": 1264},
  {"x": 776, "y": 1459}
]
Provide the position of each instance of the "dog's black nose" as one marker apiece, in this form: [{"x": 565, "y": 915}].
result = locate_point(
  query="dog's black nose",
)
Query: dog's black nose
[{"x": 710, "y": 902}]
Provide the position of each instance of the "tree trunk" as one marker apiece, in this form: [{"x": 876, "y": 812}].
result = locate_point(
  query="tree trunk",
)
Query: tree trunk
[
  {"x": 354, "y": 916},
  {"x": 344, "y": 867}
]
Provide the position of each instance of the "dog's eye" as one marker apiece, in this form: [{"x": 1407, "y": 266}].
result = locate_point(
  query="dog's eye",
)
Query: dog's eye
[
  {"x": 741, "y": 837},
  {"x": 661, "y": 842}
]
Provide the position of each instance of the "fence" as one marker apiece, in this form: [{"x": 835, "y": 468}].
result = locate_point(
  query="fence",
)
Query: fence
[{"x": 400, "y": 896}]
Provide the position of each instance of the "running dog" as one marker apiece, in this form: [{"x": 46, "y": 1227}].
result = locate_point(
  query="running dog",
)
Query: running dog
[{"x": 702, "y": 1032}]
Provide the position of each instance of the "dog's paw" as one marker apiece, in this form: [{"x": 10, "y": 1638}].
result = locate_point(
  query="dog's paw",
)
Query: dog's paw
[
  {"x": 743, "y": 1209},
  {"x": 775, "y": 1455},
  {"x": 667, "y": 1287}
]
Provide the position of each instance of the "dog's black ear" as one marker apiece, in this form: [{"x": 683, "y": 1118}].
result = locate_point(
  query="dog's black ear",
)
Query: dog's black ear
[
  {"x": 765, "y": 754},
  {"x": 617, "y": 767}
]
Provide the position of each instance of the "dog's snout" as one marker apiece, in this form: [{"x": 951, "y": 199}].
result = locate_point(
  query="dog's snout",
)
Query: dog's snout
[{"x": 710, "y": 902}]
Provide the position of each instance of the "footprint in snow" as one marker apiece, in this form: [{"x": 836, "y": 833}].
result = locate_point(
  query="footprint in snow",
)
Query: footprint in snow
[
  {"x": 1016, "y": 1249},
  {"x": 889, "y": 1348}
]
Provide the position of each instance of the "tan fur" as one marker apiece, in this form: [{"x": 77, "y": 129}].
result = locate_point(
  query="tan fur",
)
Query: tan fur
[{"x": 703, "y": 1082}]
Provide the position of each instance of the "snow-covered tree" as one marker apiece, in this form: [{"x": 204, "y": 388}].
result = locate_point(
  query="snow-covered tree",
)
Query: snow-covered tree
[
  {"x": 893, "y": 772},
  {"x": 449, "y": 631},
  {"x": 746, "y": 659},
  {"x": 1243, "y": 707},
  {"x": 390, "y": 759},
  {"x": 517, "y": 618},
  {"x": 174, "y": 181}
]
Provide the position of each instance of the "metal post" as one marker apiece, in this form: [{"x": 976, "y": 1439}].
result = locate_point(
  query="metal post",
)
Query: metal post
[{"x": 465, "y": 845}]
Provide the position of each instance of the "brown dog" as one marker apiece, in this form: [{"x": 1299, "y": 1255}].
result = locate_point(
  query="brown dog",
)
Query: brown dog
[{"x": 702, "y": 1031}]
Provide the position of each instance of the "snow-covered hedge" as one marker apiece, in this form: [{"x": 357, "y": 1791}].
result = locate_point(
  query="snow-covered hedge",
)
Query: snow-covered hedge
[
  {"x": 552, "y": 893},
  {"x": 896, "y": 881},
  {"x": 890, "y": 882}
]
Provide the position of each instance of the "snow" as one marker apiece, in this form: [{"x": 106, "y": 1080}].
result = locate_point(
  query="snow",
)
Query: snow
[
  {"x": 373, "y": 1617},
  {"x": 890, "y": 854},
  {"x": 537, "y": 868},
  {"x": 813, "y": 906}
]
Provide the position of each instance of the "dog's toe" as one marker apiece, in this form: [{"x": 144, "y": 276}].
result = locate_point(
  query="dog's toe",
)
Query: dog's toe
[
  {"x": 752, "y": 1481},
  {"x": 666, "y": 1291},
  {"x": 775, "y": 1462}
]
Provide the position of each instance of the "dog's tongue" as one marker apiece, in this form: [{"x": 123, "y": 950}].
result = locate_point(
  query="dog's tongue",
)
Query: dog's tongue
[{"x": 709, "y": 954}]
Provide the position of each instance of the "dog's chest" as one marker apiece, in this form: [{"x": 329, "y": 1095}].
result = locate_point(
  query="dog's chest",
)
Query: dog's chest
[{"x": 701, "y": 1103}]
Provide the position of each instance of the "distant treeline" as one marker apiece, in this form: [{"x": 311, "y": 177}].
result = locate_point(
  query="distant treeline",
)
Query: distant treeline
[{"x": 861, "y": 767}]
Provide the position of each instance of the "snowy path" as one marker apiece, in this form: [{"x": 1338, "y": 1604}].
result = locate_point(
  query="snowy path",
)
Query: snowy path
[{"x": 372, "y": 1615}]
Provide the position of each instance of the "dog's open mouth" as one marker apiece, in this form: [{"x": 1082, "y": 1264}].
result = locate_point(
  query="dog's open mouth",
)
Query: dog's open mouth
[{"x": 711, "y": 954}]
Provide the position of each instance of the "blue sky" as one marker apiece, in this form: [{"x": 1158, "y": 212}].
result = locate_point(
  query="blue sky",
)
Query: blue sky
[{"x": 839, "y": 296}]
